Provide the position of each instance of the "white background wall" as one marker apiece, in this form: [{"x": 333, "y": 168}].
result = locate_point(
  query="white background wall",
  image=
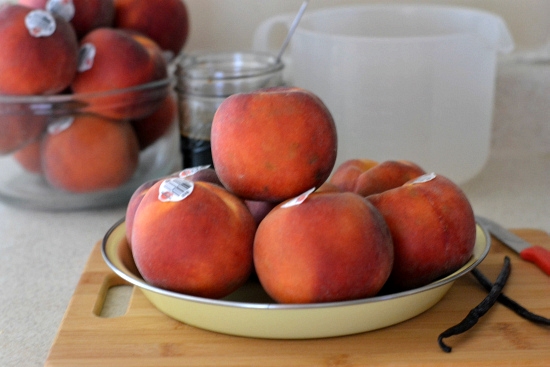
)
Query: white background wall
[{"x": 229, "y": 24}]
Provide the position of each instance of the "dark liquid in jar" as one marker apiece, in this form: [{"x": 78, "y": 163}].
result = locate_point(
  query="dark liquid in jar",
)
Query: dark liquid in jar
[{"x": 195, "y": 152}]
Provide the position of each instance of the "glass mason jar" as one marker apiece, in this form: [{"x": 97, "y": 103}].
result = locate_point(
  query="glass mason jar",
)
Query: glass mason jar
[{"x": 204, "y": 81}]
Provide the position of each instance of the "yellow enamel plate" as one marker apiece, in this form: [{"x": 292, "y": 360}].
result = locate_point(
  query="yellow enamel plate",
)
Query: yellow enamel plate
[{"x": 250, "y": 312}]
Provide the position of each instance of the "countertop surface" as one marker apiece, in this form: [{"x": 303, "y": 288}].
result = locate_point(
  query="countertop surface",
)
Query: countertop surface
[{"x": 42, "y": 254}]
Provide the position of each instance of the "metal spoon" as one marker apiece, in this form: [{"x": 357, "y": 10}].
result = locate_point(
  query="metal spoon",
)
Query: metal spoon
[{"x": 291, "y": 30}]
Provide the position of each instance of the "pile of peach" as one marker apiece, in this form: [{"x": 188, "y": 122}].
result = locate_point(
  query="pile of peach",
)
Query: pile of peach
[
  {"x": 98, "y": 53},
  {"x": 272, "y": 208}
]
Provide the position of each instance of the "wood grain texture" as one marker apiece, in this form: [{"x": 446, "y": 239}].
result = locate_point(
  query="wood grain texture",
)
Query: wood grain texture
[{"x": 146, "y": 337}]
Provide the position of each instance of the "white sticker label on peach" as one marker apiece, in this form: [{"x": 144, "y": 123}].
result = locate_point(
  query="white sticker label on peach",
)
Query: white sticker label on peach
[
  {"x": 63, "y": 8},
  {"x": 86, "y": 56},
  {"x": 40, "y": 23},
  {"x": 424, "y": 178},
  {"x": 59, "y": 125},
  {"x": 175, "y": 189},
  {"x": 191, "y": 171},
  {"x": 298, "y": 199}
]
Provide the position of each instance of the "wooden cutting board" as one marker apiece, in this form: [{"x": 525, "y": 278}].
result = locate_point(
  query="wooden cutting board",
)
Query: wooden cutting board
[{"x": 143, "y": 336}]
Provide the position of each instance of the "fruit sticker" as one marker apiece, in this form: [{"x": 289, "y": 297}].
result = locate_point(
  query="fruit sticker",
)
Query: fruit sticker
[
  {"x": 40, "y": 23},
  {"x": 424, "y": 178},
  {"x": 175, "y": 189},
  {"x": 86, "y": 56},
  {"x": 63, "y": 8},
  {"x": 298, "y": 199},
  {"x": 191, "y": 171},
  {"x": 60, "y": 125}
]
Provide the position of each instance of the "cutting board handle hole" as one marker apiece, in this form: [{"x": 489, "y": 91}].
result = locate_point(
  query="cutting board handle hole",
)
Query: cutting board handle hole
[{"x": 114, "y": 298}]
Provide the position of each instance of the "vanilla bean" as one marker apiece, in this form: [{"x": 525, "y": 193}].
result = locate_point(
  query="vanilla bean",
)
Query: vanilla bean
[
  {"x": 481, "y": 309},
  {"x": 510, "y": 303}
]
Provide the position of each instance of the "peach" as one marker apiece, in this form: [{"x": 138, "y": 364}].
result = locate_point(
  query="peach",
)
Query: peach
[
  {"x": 30, "y": 157},
  {"x": 89, "y": 153},
  {"x": 151, "y": 128},
  {"x": 33, "y": 4},
  {"x": 118, "y": 61},
  {"x": 193, "y": 237},
  {"x": 84, "y": 15},
  {"x": 385, "y": 176},
  {"x": 433, "y": 229},
  {"x": 330, "y": 247},
  {"x": 202, "y": 173},
  {"x": 273, "y": 144},
  {"x": 92, "y": 14},
  {"x": 164, "y": 21},
  {"x": 35, "y": 59},
  {"x": 259, "y": 209},
  {"x": 16, "y": 131},
  {"x": 155, "y": 52},
  {"x": 345, "y": 175},
  {"x": 133, "y": 205},
  {"x": 328, "y": 187}
]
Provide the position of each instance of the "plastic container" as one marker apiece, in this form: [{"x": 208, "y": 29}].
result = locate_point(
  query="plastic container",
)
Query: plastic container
[
  {"x": 409, "y": 82},
  {"x": 78, "y": 151}
]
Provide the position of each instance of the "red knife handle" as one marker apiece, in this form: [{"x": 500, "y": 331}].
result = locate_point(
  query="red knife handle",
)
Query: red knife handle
[{"x": 539, "y": 256}]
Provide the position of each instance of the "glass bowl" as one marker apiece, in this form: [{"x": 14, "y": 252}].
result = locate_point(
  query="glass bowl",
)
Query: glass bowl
[{"x": 79, "y": 151}]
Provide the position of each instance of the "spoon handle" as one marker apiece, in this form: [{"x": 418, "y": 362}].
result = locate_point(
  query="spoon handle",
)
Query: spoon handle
[{"x": 291, "y": 29}]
